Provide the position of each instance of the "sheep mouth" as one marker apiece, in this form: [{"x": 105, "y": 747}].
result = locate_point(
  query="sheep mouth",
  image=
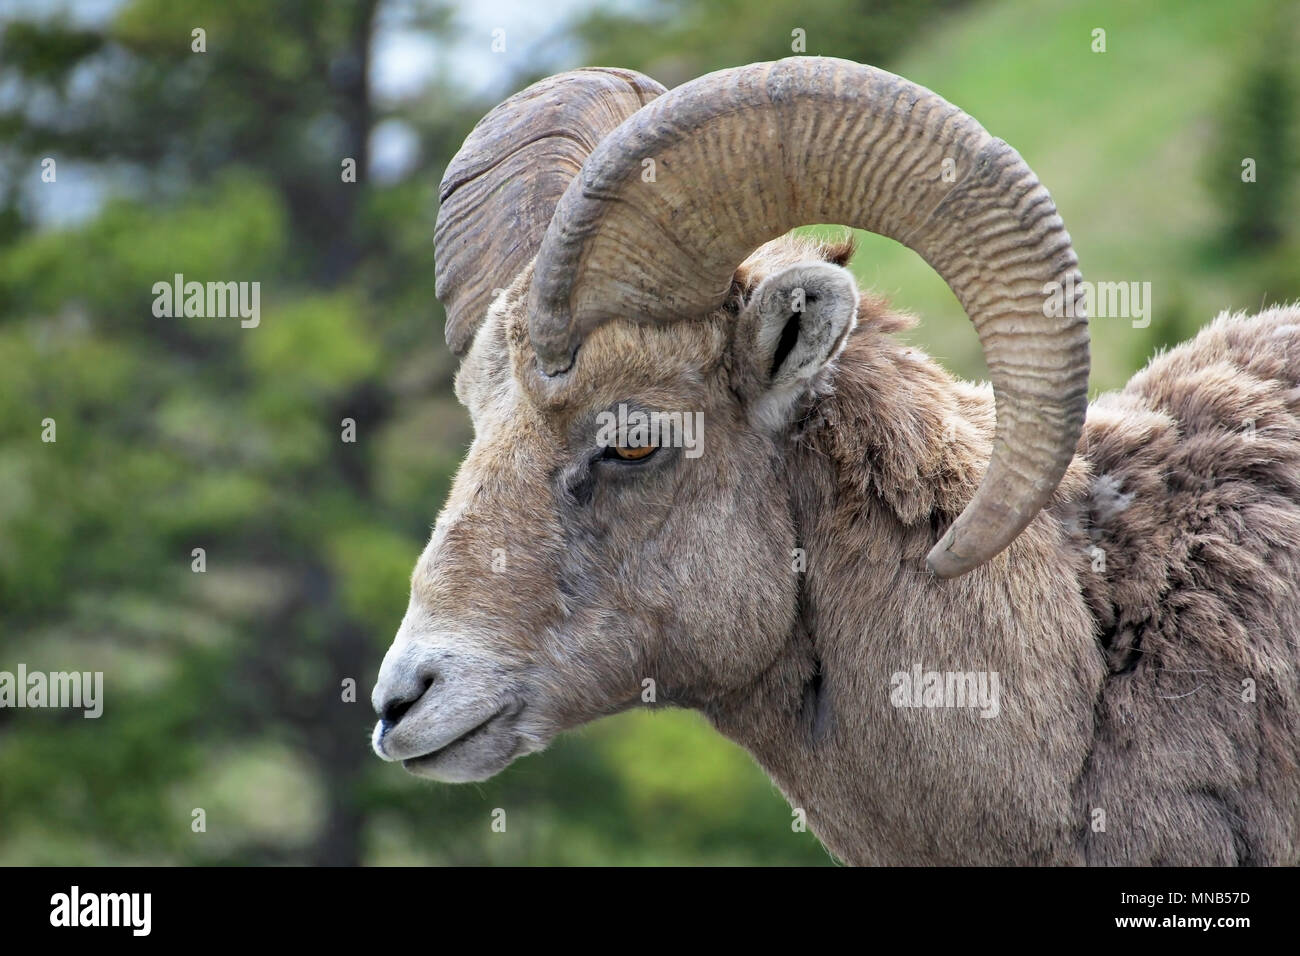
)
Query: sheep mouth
[{"x": 476, "y": 754}]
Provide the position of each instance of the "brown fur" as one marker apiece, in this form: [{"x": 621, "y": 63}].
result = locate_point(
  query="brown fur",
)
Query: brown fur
[{"x": 1122, "y": 622}]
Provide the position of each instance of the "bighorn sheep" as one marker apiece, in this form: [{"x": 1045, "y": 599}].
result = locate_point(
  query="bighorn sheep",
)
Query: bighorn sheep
[{"x": 1129, "y": 589}]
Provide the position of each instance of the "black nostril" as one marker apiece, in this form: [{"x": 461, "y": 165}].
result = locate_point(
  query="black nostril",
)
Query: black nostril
[{"x": 396, "y": 708}]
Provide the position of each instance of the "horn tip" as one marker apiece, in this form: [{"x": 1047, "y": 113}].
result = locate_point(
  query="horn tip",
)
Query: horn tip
[
  {"x": 945, "y": 563},
  {"x": 553, "y": 363}
]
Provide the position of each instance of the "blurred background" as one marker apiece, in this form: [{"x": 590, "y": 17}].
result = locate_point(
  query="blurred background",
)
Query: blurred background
[{"x": 226, "y": 690}]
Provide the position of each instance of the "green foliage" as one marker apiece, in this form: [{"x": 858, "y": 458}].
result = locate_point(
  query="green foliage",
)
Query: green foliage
[
  {"x": 1259, "y": 128},
  {"x": 677, "y": 40}
]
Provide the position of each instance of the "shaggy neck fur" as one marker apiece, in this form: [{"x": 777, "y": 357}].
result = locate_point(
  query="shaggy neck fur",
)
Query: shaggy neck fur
[
  {"x": 883, "y": 464},
  {"x": 1143, "y": 626}
]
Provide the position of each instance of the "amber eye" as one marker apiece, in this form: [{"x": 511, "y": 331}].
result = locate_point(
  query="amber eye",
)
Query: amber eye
[{"x": 629, "y": 453}]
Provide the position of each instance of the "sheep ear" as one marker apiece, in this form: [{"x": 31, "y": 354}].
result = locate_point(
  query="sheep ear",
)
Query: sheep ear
[{"x": 796, "y": 322}]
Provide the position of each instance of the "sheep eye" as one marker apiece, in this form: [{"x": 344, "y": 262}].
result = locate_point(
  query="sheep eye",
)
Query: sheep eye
[{"x": 629, "y": 453}]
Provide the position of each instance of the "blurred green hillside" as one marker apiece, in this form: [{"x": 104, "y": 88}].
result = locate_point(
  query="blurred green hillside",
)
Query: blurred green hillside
[
  {"x": 1140, "y": 147},
  {"x": 225, "y": 689}
]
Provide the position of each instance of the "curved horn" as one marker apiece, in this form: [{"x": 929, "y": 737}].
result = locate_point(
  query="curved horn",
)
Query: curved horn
[
  {"x": 500, "y": 190},
  {"x": 744, "y": 155}
]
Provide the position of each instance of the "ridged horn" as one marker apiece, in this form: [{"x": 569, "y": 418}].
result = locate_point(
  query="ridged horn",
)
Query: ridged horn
[
  {"x": 744, "y": 155},
  {"x": 499, "y": 191}
]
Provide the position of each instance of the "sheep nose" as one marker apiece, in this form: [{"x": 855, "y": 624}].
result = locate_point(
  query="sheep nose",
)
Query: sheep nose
[
  {"x": 404, "y": 679},
  {"x": 393, "y": 705}
]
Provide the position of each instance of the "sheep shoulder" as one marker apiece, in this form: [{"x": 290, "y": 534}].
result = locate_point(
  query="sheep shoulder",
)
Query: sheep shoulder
[{"x": 1193, "y": 513}]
